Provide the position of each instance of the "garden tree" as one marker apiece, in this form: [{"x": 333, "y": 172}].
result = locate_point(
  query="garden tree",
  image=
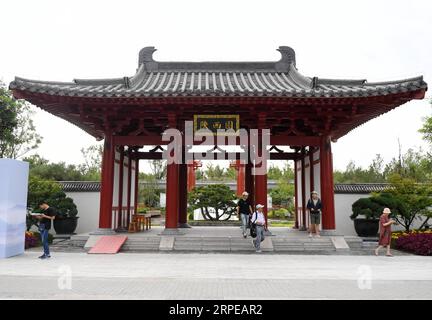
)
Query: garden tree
[
  {"x": 408, "y": 201},
  {"x": 426, "y": 129},
  {"x": 214, "y": 172},
  {"x": 199, "y": 174},
  {"x": 414, "y": 200},
  {"x": 57, "y": 171},
  {"x": 274, "y": 173},
  {"x": 150, "y": 194},
  {"x": 91, "y": 168},
  {"x": 354, "y": 174},
  {"x": 230, "y": 173},
  {"x": 216, "y": 202},
  {"x": 416, "y": 165},
  {"x": 412, "y": 164},
  {"x": 40, "y": 189},
  {"x": 18, "y": 135},
  {"x": 283, "y": 193},
  {"x": 158, "y": 169}
]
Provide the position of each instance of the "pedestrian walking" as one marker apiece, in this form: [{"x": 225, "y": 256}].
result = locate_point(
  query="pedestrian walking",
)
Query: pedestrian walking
[
  {"x": 244, "y": 210},
  {"x": 385, "y": 232},
  {"x": 258, "y": 220}
]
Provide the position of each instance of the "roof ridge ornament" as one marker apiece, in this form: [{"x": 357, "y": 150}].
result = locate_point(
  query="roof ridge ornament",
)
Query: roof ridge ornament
[
  {"x": 288, "y": 55},
  {"x": 287, "y": 60}
]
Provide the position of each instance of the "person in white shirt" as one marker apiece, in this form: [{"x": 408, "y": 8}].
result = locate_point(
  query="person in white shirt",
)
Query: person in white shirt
[{"x": 259, "y": 220}]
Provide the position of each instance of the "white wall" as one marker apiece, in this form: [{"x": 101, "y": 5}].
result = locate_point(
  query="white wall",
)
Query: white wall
[
  {"x": 88, "y": 210},
  {"x": 343, "y": 203}
]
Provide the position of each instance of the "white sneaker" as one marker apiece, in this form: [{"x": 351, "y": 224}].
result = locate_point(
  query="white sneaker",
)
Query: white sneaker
[
  {"x": 258, "y": 251},
  {"x": 318, "y": 236},
  {"x": 310, "y": 235}
]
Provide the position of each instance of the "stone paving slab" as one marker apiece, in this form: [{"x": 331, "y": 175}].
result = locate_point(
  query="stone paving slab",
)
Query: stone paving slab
[{"x": 215, "y": 276}]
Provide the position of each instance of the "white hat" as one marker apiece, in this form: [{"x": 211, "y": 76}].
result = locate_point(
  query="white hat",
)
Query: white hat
[
  {"x": 314, "y": 192},
  {"x": 245, "y": 193},
  {"x": 386, "y": 210},
  {"x": 258, "y": 206}
]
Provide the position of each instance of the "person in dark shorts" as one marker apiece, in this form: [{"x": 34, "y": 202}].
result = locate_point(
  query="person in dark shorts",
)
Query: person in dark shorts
[
  {"x": 46, "y": 217},
  {"x": 244, "y": 210},
  {"x": 314, "y": 206}
]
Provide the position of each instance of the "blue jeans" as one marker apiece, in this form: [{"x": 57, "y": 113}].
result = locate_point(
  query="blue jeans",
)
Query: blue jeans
[
  {"x": 44, "y": 239},
  {"x": 245, "y": 222},
  {"x": 259, "y": 237}
]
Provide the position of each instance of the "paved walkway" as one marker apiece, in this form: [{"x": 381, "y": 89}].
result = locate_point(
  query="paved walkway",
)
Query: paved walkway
[{"x": 214, "y": 276}]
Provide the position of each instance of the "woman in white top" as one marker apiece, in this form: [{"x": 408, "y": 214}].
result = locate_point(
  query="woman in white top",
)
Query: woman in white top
[{"x": 259, "y": 220}]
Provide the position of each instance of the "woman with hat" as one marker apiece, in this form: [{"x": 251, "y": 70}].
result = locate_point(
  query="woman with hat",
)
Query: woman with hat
[
  {"x": 385, "y": 232},
  {"x": 314, "y": 206}
]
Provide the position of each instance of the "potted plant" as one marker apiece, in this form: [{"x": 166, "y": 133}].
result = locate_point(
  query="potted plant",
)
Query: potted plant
[
  {"x": 367, "y": 211},
  {"x": 66, "y": 220},
  {"x": 366, "y": 215}
]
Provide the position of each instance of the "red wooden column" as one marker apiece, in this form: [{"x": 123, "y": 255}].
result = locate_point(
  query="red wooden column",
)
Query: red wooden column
[
  {"x": 183, "y": 175},
  {"x": 249, "y": 182},
  {"x": 129, "y": 187},
  {"x": 327, "y": 186},
  {"x": 120, "y": 190},
  {"x": 136, "y": 185},
  {"x": 296, "y": 223},
  {"x": 261, "y": 184},
  {"x": 303, "y": 190},
  {"x": 240, "y": 176},
  {"x": 107, "y": 184},
  {"x": 191, "y": 178},
  {"x": 172, "y": 195},
  {"x": 311, "y": 169}
]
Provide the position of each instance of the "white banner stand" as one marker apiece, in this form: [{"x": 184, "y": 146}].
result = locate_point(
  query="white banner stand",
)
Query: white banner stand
[{"x": 13, "y": 206}]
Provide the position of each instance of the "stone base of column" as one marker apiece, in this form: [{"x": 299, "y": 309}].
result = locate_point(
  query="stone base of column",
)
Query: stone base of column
[
  {"x": 121, "y": 230},
  {"x": 184, "y": 225},
  {"x": 171, "y": 232},
  {"x": 103, "y": 232}
]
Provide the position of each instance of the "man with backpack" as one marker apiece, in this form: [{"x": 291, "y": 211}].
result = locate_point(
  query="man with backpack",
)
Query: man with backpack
[{"x": 259, "y": 222}]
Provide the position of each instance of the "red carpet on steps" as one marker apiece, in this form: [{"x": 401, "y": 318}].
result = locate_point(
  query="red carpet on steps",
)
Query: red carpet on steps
[{"x": 108, "y": 244}]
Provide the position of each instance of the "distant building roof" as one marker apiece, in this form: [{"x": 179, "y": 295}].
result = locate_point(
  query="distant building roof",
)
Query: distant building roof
[{"x": 340, "y": 188}]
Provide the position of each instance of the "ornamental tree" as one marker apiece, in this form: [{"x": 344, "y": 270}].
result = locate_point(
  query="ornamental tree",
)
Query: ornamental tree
[{"x": 216, "y": 201}]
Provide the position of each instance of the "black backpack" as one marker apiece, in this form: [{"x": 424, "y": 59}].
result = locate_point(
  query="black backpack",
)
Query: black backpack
[{"x": 253, "y": 226}]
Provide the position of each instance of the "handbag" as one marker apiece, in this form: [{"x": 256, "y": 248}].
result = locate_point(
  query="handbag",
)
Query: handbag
[{"x": 253, "y": 227}]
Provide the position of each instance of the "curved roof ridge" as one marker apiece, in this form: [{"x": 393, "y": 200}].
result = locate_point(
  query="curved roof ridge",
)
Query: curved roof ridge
[
  {"x": 106, "y": 81},
  {"x": 43, "y": 81},
  {"x": 418, "y": 78},
  {"x": 283, "y": 65},
  {"x": 299, "y": 78}
]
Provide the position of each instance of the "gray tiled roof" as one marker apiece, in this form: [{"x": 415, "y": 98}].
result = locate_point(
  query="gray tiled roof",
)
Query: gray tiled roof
[
  {"x": 353, "y": 188},
  {"x": 360, "y": 187},
  {"x": 188, "y": 79}
]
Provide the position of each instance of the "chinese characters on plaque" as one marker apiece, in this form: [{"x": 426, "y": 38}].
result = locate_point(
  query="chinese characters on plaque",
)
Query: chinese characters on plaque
[{"x": 216, "y": 124}]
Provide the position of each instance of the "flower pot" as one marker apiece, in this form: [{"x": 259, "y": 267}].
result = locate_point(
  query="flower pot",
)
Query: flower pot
[
  {"x": 366, "y": 227},
  {"x": 65, "y": 225}
]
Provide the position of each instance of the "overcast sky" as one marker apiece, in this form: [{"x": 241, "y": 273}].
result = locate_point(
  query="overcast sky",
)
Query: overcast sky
[{"x": 376, "y": 40}]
